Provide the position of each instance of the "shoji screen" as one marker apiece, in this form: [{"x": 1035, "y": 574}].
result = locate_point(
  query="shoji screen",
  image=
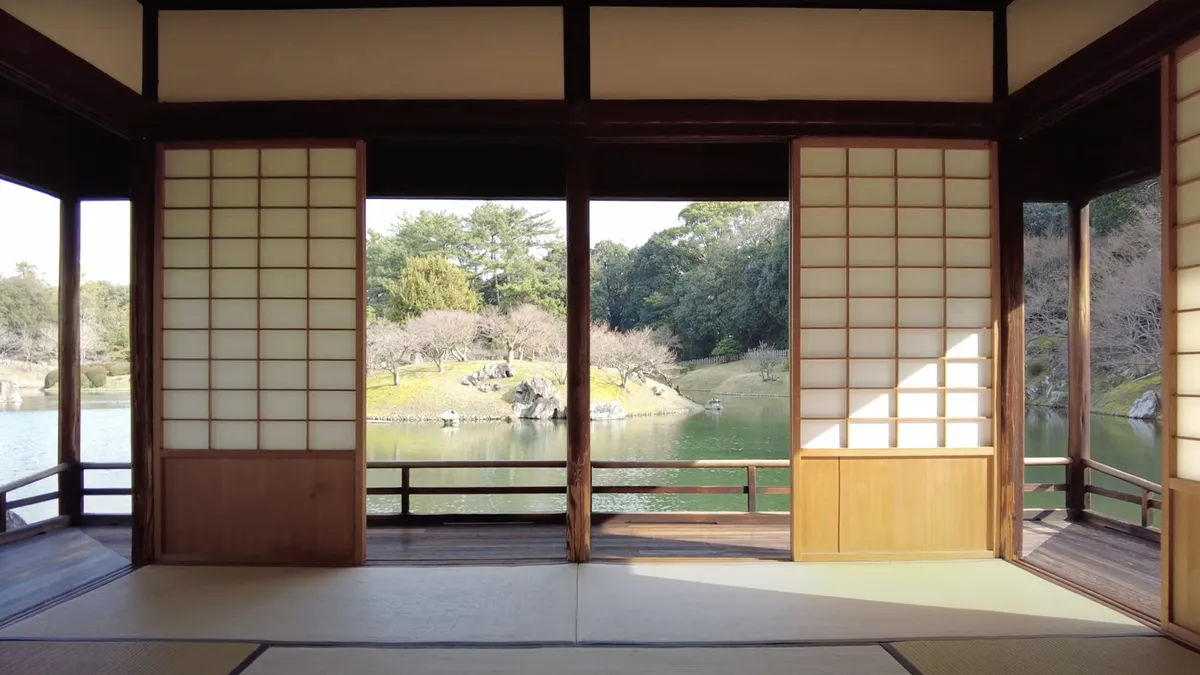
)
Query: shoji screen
[
  {"x": 1181, "y": 341},
  {"x": 261, "y": 438},
  {"x": 893, "y": 337}
]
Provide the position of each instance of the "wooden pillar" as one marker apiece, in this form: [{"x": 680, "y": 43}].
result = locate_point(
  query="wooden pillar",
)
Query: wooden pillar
[
  {"x": 579, "y": 313},
  {"x": 70, "y": 482},
  {"x": 142, "y": 335},
  {"x": 1079, "y": 355},
  {"x": 1010, "y": 390}
]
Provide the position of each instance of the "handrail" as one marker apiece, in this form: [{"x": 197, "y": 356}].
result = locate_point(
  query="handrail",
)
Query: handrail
[
  {"x": 33, "y": 478},
  {"x": 694, "y": 464},
  {"x": 1047, "y": 461},
  {"x": 1121, "y": 475}
]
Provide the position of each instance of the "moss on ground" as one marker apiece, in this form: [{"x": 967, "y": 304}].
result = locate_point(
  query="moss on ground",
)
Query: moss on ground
[
  {"x": 1117, "y": 399},
  {"x": 423, "y": 393}
]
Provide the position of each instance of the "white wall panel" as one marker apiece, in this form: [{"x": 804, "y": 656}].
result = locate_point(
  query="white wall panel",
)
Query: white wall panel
[
  {"x": 1043, "y": 33},
  {"x": 105, "y": 33},
  {"x": 736, "y": 53},
  {"x": 411, "y": 53}
]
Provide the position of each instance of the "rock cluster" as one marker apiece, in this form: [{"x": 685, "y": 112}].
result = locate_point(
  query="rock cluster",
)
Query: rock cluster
[
  {"x": 537, "y": 399},
  {"x": 607, "y": 411},
  {"x": 492, "y": 371},
  {"x": 1146, "y": 406}
]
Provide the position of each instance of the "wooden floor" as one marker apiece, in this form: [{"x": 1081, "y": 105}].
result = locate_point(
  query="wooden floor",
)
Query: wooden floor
[
  {"x": 1119, "y": 566},
  {"x": 36, "y": 571}
]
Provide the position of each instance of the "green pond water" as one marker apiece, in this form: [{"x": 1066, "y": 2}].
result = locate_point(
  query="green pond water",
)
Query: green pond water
[{"x": 748, "y": 428}]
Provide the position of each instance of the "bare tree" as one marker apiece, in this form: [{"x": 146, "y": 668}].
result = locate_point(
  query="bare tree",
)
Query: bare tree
[
  {"x": 440, "y": 333},
  {"x": 514, "y": 330},
  {"x": 634, "y": 354},
  {"x": 768, "y": 361},
  {"x": 93, "y": 344},
  {"x": 389, "y": 347},
  {"x": 1127, "y": 298}
]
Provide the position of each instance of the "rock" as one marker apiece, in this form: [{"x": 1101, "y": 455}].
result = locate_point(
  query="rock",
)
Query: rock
[
  {"x": 537, "y": 399},
  {"x": 450, "y": 418},
  {"x": 9, "y": 393},
  {"x": 12, "y": 521},
  {"x": 607, "y": 411},
  {"x": 714, "y": 404},
  {"x": 488, "y": 387},
  {"x": 1146, "y": 406},
  {"x": 491, "y": 371},
  {"x": 1056, "y": 399},
  {"x": 658, "y": 391}
]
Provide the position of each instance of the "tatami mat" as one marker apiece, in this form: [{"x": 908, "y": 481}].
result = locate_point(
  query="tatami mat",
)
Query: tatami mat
[
  {"x": 779, "y": 602},
  {"x": 868, "y": 660},
  {"x": 366, "y": 604},
  {"x": 1061, "y": 656},
  {"x": 121, "y": 658},
  {"x": 546, "y": 605}
]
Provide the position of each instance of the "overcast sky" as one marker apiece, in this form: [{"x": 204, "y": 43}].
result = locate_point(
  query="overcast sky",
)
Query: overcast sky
[{"x": 29, "y": 227}]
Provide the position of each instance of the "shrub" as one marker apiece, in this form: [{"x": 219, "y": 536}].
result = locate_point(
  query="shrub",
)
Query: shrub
[
  {"x": 51, "y": 378},
  {"x": 95, "y": 376},
  {"x": 728, "y": 347},
  {"x": 117, "y": 368}
]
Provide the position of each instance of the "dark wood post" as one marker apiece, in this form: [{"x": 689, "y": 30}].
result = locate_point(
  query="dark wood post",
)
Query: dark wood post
[
  {"x": 70, "y": 481},
  {"x": 142, "y": 311},
  {"x": 579, "y": 319},
  {"x": 1079, "y": 355},
  {"x": 1010, "y": 441}
]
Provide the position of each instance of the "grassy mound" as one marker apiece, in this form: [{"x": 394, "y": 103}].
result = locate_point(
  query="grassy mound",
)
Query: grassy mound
[
  {"x": 739, "y": 378},
  {"x": 423, "y": 393},
  {"x": 1118, "y": 399}
]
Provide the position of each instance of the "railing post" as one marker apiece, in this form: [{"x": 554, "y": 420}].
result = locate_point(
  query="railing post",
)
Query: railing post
[
  {"x": 3, "y": 512},
  {"x": 1145, "y": 507},
  {"x": 752, "y": 489},
  {"x": 1079, "y": 361},
  {"x": 405, "y": 494}
]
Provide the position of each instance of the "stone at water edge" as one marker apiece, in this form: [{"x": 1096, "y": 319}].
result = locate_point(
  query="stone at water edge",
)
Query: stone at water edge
[
  {"x": 9, "y": 392},
  {"x": 537, "y": 399},
  {"x": 714, "y": 404},
  {"x": 607, "y": 411},
  {"x": 1146, "y": 406},
  {"x": 13, "y": 521},
  {"x": 450, "y": 418}
]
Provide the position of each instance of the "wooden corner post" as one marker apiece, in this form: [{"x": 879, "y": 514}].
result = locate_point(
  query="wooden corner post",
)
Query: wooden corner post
[
  {"x": 579, "y": 312},
  {"x": 70, "y": 481},
  {"x": 1010, "y": 390},
  {"x": 142, "y": 336},
  {"x": 1079, "y": 355}
]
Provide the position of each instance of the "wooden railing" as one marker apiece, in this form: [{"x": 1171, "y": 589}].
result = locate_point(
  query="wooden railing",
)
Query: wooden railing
[
  {"x": 7, "y": 504},
  {"x": 1143, "y": 497}
]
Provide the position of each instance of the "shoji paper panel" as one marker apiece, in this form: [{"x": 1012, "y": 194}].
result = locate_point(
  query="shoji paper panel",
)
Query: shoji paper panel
[
  {"x": 1043, "y": 33},
  {"x": 895, "y": 295},
  {"x": 105, "y": 33},
  {"x": 261, "y": 298},
  {"x": 1184, "y": 235},
  {"x": 757, "y": 53},
  {"x": 401, "y": 53}
]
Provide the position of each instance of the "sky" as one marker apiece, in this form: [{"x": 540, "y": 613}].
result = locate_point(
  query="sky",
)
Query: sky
[{"x": 29, "y": 227}]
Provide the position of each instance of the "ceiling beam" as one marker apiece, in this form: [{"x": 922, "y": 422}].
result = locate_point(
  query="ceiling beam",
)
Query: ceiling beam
[{"x": 951, "y": 5}]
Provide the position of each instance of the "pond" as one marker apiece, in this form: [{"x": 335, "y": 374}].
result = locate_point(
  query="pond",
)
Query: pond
[{"x": 748, "y": 428}]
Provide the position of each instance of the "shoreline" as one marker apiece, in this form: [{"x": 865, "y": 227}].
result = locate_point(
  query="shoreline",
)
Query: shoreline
[{"x": 422, "y": 419}]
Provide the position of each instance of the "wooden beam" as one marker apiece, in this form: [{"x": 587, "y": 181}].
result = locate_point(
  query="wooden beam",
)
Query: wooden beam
[
  {"x": 1127, "y": 52},
  {"x": 579, "y": 320},
  {"x": 1000, "y": 53},
  {"x": 1010, "y": 390},
  {"x": 577, "y": 53},
  {"x": 949, "y": 5},
  {"x": 610, "y": 120},
  {"x": 70, "y": 481},
  {"x": 1079, "y": 356},
  {"x": 42, "y": 65},
  {"x": 142, "y": 335}
]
